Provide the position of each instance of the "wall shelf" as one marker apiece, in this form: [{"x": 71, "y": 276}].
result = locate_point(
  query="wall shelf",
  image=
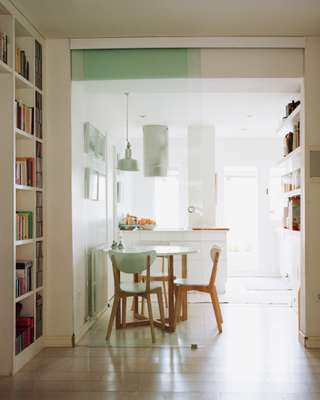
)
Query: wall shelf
[
  {"x": 22, "y": 83},
  {"x": 24, "y": 242},
  {"x": 24, "y": 187},
  {"x": 5, "y": 68},
  {"x": 20, "y": 134},
  {"x": 24, "y": 296},
  {"x": 289, "y": 121},
  {"x": 292, "y": 193}
]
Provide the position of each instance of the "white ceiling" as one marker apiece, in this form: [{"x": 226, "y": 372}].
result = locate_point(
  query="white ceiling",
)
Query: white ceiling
[
  {"x": 116, "y": 18},
  {"x": 238, "y": 113}
]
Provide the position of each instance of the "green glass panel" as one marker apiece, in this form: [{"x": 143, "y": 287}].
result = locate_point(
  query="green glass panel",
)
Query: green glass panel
[{"x": 134, "y": 64}]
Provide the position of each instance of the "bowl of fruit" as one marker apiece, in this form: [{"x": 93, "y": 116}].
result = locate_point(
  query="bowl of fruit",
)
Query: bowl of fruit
[{"x": 147, "y": 224}]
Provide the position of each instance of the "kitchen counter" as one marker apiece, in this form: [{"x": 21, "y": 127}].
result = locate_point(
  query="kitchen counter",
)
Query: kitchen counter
[{"x": 199, "y": 264}]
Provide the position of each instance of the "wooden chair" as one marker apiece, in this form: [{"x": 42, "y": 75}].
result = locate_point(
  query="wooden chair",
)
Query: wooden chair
[
  {"x": 161, "y": 276},
  {"x": 182, "y": 286},
  {"x": 134, "y": 263}
]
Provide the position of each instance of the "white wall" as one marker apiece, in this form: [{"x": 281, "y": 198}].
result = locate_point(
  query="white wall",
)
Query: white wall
[
  {"x": 59, "y": 277},
  {"x": 89, "y": 222},
  {"x": 310, "y": 285},
  {"x": 262, "y": 154},
  {"x": 138, "y": 197}
]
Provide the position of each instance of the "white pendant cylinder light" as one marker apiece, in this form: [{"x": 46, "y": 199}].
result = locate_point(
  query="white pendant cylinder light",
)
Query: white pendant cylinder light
[
  {"x": 128, "y": 163},
  {"x": 155, "y": 150}
]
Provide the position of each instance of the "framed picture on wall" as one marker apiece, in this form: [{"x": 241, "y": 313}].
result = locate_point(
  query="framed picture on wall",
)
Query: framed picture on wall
[
  {"x": 91, "y": 184},
  {"x": 94, "y": 141}
]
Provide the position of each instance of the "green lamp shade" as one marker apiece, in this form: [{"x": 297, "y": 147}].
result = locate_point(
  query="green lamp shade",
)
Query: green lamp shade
[{"x": 128, "y": 163}]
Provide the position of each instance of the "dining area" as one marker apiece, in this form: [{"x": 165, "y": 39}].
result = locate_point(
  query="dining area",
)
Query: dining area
[{"x": 145, "y": 296}]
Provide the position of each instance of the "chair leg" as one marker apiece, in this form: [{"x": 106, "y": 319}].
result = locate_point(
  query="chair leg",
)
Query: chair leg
[
  {"x": 151, "y": 317},
  {"x": 161, "y": 307},
  {"x": 177, "y": 311},
  {"x": 219, "y": 307},
  {"x": 216, "y": 311},
  {"x": 116, "y": 302},
  {"x": 165, "y": 294},
  {"x": 124, "y": 312},
  {"x": 142, "y": 306}
]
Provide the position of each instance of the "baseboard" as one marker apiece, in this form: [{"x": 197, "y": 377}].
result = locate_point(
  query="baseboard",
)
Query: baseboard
[
  {"x": 58, "y": 341},
  {"x": 84, "y": 329},
  {"x": 309, "y": 342}
]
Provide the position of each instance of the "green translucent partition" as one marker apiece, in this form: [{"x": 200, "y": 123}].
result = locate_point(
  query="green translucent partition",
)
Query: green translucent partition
[{"x": 121, "y": 64}]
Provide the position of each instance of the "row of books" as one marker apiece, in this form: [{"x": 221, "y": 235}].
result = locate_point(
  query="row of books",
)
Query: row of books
[
  {"x": 4, "y": 47},
  {"x": 291, "y": 181},
  {"x": 290, "y": 107},
  {"x": 25, "y": 171},
  {"x": 291, "y": 140},
  {"x": 39, "y": 214},
  {"x": 22, "y": 64},
  {"x": 24, "y": 225},
  {"x": 39, "y": 315},
  {"x": 39, "y": 180},
  {"x": 38, "y": 115},
  {"x": 38, "y": 65},
  {"x": 24, "y": 117},
  {"x": 23, "y": 277},
  {"x": 24, "y": 332},
  {"x": 291, "y": 215},
  {"x": 39, "y": 264}
]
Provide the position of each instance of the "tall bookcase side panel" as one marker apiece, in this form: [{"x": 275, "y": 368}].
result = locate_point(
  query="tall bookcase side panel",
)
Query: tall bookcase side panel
[{"x": 7, "y": 207}]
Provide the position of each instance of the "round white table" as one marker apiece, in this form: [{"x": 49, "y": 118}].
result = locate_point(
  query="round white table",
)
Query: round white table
[{"x": 170, "y": 252}]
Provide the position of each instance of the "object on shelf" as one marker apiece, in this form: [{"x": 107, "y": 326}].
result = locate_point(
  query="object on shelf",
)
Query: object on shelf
[
  {"x": 25, "y": 171},
  {"x": 291, "y": 140},
  {"x": 24, "y": 225},
  {"x": 24, "y": 333},
  {"x": 291, "y": 181},
  {"x": 39, "y": 315},
  {"x": 23, "y": 277},
  {"x": 22, "y": 63},
  {"x": 39, "y": 215},
  {"x": 38, "y": 115},
  {"x": 39, "y": 164},
  {"x": 4, "y": 47},
  {"x": 24, "y": 117},
  {"x": 291, "y": 216},
  {"x": 38, "y": 65},
  {"x": 39, "y": 264},
  {"x": 290, "y": 107}
]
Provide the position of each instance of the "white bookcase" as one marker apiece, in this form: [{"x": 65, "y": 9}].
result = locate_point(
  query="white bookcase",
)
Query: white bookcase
[
  {"x": 17, "y": 142},
  {"x": 291, "y": 173}
]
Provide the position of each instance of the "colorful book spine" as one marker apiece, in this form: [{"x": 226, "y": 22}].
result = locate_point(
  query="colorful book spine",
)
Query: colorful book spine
[
  {"x": 24, "y": 117},
  {"x": 25, "y": 171},
  {"x": 4, "y": 47},
  {"x": 24, "y": 225}
]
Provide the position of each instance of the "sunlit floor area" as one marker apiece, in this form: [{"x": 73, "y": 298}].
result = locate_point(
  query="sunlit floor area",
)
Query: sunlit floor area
[{"x": 257, "y": 356}]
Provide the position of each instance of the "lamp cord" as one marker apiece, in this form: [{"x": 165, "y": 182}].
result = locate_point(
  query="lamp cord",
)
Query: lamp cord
[{"x": 127, "y": 125}]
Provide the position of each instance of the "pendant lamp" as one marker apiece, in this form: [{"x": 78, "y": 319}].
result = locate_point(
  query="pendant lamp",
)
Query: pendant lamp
[{"x": 128, "y": 163}]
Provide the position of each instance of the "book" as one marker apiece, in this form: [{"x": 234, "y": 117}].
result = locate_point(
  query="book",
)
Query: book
[
  {"x": 24, "y": 225},
  {"x": 25, "y": 171},
  {"x": 4, "y": 47},
  {"x": 23, "y": 277},
  {"x": 22, "y": 63}
]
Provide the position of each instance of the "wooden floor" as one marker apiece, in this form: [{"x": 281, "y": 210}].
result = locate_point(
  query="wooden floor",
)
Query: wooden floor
[{"x": 257, "y": 357}]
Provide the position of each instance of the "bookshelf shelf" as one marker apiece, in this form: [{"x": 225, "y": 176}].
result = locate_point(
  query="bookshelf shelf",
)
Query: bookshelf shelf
[
  {"x": 24, "y": 242},
  {"x": 293, "y": 193},
  {"x": 20, "y": 134},
  {"x": 22, "y": 83},
  {"x": 39, "y": 289},
  {"x": 289, "y": 121},
  {"x": 26, "y": 188},
  {"x": 39, "y": 239},
  {"x": 24, "y": 296},
  {"x": 291, "y": 155},
  {"x": 5, "y": 68}
]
